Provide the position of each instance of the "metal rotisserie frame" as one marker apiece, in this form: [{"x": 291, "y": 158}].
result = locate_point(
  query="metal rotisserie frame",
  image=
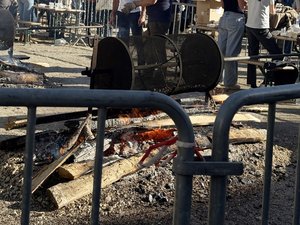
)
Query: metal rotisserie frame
[{"x": 167, "y": 64}]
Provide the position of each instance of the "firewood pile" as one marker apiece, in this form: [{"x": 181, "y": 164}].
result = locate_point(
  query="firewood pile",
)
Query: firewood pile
[
  {"x": 14, "y": 73},
  {"x": 131, "y": 143}
]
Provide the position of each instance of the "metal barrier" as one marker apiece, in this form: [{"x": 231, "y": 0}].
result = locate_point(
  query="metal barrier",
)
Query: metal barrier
[
  {"x": 184, "y": 167},
  {"x": 221, "y": 147},
  {"x": 183, "y": 17},
  {"x": 33, "y": 98},
  {"x": 220, "y": 167}
]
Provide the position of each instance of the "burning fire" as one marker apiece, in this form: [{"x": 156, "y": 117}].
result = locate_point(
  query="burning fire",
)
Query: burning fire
[
  {"x": 137, "y": 113},
  {"x": 156, "y": 135}
]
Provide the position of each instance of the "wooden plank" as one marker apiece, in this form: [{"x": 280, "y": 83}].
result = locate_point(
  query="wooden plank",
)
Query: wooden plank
[
  {"x": 14, "y": 122},
  {"x": 220, "y": 98},
  {"x": 201, "y": 120},
  {"x": 237, "y": 136},
  {"x": 255, "y": 108},
  {"x": 245, "y": 135}
]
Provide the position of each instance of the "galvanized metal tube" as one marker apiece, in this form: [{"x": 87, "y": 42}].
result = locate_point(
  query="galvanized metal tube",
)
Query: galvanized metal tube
[
  {"x": 30, "y": 145},
  {"x": 98, "y": 165},
  {"x": 268, "y": 163},
  {"x": 296, "y": 219}
]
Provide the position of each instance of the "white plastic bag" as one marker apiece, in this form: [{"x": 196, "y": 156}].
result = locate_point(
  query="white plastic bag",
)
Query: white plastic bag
[{"x": 103, "y": 4}]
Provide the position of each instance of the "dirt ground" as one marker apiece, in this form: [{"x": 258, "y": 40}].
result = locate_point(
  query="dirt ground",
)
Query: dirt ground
[{"x": 147, "y": 197}]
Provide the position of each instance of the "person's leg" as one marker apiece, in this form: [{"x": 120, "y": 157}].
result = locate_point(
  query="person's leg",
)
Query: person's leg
[
  {"x": 268, "y": 42},
  {"x": 222, "y": 38},
  {"x": 21, "y": 10},
  {"x": 133, "y": 19},
  {"x": 253, "y": 49},
  {"x": 123, "y": 26},
  {"x": 158, "y": 28},
  {"x": 27, "y": 11},
  {"x": 235, "y": 28},
  {"x": 222, "y": 34},
  {"x": 13, "y": 8}
]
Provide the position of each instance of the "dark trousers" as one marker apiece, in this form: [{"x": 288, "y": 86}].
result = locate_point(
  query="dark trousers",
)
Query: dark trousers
[
  {"x": 255, "y": 37},
  {"x": 127, "y": 22}
]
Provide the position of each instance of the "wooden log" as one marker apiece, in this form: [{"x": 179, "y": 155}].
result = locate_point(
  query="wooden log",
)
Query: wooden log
[
  {"x": 21, "y": 77},
  {"x": 64, "y": 193},
  {"x": 74, "y": 170}
]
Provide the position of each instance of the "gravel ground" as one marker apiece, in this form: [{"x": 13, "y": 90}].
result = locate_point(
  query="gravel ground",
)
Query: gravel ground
[{"x": 147, "y": 197}]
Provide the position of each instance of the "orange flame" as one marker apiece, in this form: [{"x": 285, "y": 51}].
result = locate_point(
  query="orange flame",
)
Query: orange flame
[{"x": 156, "y": 135}]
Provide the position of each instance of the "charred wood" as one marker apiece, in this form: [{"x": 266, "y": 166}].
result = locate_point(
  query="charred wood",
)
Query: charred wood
[
  {"x": 12, "y": 77},
  {"x": 47, "y": 170},
  {"x": 65, "y": 151}
]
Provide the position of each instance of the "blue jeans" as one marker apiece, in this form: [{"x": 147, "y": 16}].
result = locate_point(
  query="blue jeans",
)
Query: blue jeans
[
  {"x": 231, "y": 31},
  {"x": 255, "y": 37},
  {"x": 127, "y": 22},
  {"x": 26, "y": 10}
]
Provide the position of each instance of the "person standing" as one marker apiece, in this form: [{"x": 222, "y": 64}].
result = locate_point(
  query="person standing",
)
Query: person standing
[
  {"x": 159, "y": 20},
  {"x": 126, "y": 22},
  {"x": 26, "y": 10},
  {"x": 258, "y": 32},
  {"x": 231, "y": 32},
  {"x": 158, "y": 11}
]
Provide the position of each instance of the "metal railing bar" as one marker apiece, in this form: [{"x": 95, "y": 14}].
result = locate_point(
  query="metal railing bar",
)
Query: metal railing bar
[
  {"x": 98, "y": 165},
  {"x": 296, "y": 219},
  {"x": 220, "y": 146},
  {"x": 268, "y": 163},
  {"x": 30, "y": 145}
]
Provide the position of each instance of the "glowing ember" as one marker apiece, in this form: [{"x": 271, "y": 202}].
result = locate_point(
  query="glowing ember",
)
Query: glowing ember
[{"x": 156, "y": 135}]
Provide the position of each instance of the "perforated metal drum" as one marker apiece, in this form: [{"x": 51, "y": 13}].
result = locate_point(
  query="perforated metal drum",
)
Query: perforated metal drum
[{"x": 167, "y": 64}]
